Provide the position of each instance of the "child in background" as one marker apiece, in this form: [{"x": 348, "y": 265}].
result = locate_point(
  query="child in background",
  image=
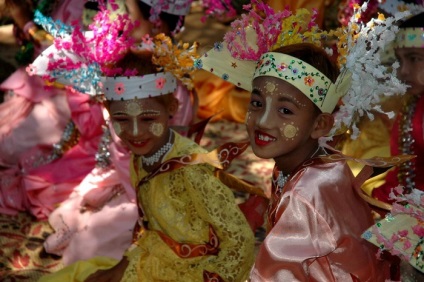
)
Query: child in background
[
  {"x": 166, "y": 17},
  {"x": 190, "y": 228},
  {"x": 407, "y": 135},
  {"x": 317, "y": 213}
]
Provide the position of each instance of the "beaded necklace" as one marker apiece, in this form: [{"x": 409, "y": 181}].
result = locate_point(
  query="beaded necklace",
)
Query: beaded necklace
[
  {"x": 159, "y": 153},
  {"x": 282, "y": 179},
  {"x": 406, "y": 173}
]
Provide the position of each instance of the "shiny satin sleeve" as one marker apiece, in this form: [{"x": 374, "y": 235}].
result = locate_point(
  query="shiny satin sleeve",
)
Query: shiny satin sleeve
[{"x": 299, "y": 236}]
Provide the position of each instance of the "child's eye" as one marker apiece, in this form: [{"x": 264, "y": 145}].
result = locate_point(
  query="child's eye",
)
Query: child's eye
[
  {"x": 120, "y": 119},
  {"x": 415, "y": 59},
  {"x": 147, "y": 118},
  {"x": 285, "y": 111},
  {"x": 255, "y": 104}
]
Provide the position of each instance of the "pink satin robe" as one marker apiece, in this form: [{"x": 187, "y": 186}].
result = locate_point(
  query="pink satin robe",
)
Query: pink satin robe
[{"x": 315, "y": 228}]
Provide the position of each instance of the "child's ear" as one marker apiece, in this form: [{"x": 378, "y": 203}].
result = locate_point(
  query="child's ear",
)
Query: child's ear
[
  {"x": 173, "y": 106},
  {"x": 323, "y": 124}
]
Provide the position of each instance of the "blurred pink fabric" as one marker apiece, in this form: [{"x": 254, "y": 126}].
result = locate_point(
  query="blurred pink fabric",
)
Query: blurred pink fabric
[
  {"x": 39, "y": 188},
  {"x": 99, "y": 216}
]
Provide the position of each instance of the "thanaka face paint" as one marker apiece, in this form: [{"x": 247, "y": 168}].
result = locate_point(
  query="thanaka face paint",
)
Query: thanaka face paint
[
  {"x": 117, "y": 127},
  {"x": 289, "y": 131},
  {"x": 156, "y": 129}
]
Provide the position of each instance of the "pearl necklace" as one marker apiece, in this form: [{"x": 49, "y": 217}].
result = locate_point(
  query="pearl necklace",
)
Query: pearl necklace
[
  {"x": 159, "y": 153},
  {"x": 281, "y": 180}
]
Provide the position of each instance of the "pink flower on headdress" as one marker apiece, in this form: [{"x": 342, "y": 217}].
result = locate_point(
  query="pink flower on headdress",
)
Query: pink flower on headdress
[
  {"x": 282, "y": 67},
  {"x": 309, "y": 80},
  {"x": 31, "y": 69},
  {"x": 119, "y": 88},
  {"x": 160, "y": 82},
  {"x": 419, "y": 230},
  {"x": 147, "y": 39}
]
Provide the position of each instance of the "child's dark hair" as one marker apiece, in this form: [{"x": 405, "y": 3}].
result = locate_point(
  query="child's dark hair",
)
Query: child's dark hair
[
  {"x": 415, "y": 21},
  {"x": 313, "y": 55},
  {"x": 141, "y": 61}
]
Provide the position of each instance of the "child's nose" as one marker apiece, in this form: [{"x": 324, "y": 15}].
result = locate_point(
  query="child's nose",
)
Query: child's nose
[
  {"x": 136, "y": 127},
  {"x": 265, "y": 119},
  {"x": 403, "y": 71}
]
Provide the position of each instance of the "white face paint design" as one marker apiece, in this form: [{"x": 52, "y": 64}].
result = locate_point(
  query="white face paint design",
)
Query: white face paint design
[
  {"x": 265, "y": 116},
  {"x": 289, "y": 131},
  {"x": 247, "y": 118},
  {"x": 270, "y": 87},
  {"x": 156, "y": 129},
  {"x": 117, "y": 127},
  {"x": 133, "y": 108}
]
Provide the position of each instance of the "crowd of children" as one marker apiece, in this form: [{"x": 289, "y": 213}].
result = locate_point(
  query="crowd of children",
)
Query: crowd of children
[{"x": 131, "y": 197}]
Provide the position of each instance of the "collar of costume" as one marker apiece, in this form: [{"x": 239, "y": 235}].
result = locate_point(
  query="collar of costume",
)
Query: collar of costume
[
  {"x": 247, "y": 52},
  {"x": 410, "y": 37},
  {"x": 173, "y": 7},
  {"x": 140, "y": 87}
]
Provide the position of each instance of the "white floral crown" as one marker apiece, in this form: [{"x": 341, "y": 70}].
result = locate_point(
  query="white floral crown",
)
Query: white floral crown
[{"x": 362, "y": 80}]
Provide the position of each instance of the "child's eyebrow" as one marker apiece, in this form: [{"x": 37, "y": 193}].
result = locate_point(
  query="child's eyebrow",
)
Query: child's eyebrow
[
  {"x": 286, "y": 98},
  {"x": 256, "y": 91},
  {"x": 415, "y": 53}
]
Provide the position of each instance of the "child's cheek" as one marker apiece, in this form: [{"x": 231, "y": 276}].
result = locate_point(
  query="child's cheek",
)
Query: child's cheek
[
  {"x": 156, "y": 129},
  {"x": 289, "y": 131},
  {"x": 117, "y": 128},
  {"x": 247, "y": 118},
  {"x": 420, "y": 77}
]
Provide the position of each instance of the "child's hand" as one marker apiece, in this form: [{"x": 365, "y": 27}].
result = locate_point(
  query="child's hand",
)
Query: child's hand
[{"x": 113, "y": 274}]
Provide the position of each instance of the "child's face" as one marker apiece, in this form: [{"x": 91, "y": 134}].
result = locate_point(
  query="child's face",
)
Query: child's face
[
  {"x": 280, "y": 119},
  {"x": 411, "y": 69},
  {"x": 142, "y": 124}
]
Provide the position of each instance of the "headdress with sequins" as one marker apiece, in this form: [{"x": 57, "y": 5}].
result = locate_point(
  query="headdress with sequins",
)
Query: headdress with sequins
[
  {"x": 246, "y": 53},
  {"x": 82, "y": 59},
  {"x": 401, "y": 232}
]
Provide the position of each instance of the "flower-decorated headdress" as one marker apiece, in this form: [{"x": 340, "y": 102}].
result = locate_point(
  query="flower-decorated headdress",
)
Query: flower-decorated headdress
[
  {"x": 401, "y": 232},
  {"x": 393, "y": 6},
  {"x": 247, "y": 52},
  {"x": 85, "y": 60}
]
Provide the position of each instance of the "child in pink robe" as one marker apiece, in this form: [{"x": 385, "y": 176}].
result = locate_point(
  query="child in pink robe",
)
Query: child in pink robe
[{"x": 317, "y": 212}]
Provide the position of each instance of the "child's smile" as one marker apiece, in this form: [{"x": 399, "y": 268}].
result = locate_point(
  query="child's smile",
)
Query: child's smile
[
  {"x": 280, "y": 121},
  {"x": 263, "y": 139}
]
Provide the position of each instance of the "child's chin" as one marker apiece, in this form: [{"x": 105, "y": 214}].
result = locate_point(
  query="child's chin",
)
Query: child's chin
[{"x": 261, "y": 153}]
